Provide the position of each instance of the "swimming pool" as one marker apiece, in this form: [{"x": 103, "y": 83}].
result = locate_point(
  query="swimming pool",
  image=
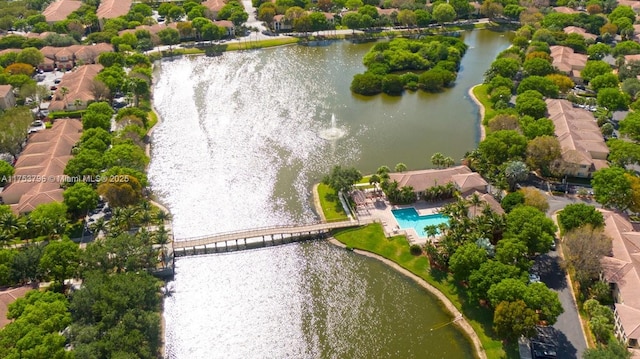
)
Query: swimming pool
[{"x": 408, "y": 218}]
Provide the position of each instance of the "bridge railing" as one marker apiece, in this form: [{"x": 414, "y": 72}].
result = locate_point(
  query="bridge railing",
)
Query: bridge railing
[{"x": 248, "y": 232}]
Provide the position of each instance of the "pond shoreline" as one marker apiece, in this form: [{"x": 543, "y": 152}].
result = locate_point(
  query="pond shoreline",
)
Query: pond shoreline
[
  {"x": 458, "y": 320},
  {"x": 481, "y": 110}
]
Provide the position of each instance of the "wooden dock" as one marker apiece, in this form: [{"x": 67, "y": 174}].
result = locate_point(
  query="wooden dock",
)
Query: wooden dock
[{"x": 257, "y": 238}]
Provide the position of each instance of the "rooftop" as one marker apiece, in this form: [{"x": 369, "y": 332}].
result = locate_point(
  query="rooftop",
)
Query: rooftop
[
  {"x": 623, "y": 268},
  {"x": 566, "y": 60},
  {"x": 580, "y": 137},
  {"x": 4, "y": 90},
  {"x": 59, "y": 10},
  {"x": 461, "y": 176},
  {"x": 46, "y": 155},
  {"x": 79, "y": 85},
  {"x": 109, "y": 9}
]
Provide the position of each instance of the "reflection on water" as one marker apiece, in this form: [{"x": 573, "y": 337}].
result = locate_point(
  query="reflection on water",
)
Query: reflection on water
[
  {"x": 239, "y": 147},
  {"x": 310, "y": 300}
]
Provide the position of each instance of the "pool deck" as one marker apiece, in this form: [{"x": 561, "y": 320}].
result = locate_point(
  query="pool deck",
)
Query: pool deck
[{"x": 380, "y": 210}]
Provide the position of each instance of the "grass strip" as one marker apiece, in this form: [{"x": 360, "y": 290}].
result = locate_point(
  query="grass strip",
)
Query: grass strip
[{"x": 371, "y": 238}]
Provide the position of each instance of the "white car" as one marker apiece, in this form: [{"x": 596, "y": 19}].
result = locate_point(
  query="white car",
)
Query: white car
[{"x": 534, "y": 278}]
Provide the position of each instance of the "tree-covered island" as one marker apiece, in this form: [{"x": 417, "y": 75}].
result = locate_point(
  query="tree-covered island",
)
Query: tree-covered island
[{"x": 390, "y": 65}]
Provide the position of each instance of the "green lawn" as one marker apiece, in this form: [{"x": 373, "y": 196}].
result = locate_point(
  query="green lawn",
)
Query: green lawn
[
  {"x": 331, "y": 206},
  {"x": 261, "y": 44},
  {"x": 371, "y": 238},
  {"x": 481, "y": 94},
  {"x": 152, "y": 119}
]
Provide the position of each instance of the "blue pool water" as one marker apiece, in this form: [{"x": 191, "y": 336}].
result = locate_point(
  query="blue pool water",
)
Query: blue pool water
[{"x": 408, "y": 218}]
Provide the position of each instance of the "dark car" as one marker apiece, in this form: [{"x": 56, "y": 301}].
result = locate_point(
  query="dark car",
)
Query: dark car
[
  {"x": 56, "y": 81},
  {"x": 53, "y": 88}
]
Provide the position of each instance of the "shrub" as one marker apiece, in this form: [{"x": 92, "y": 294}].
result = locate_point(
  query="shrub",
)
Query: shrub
[
  {"x": 415, "y": 249},
  {"x": 66, "y": 114},
  {"x": 366, "y": 84},
  {"x": 392, "y": 85},
  {"x": 512, "y": 200}
]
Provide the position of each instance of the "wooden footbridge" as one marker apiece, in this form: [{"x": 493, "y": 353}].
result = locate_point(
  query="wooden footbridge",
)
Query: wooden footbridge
[{"x": 256, "y": 238}]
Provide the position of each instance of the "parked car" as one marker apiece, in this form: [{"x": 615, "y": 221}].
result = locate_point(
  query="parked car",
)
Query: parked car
[
  {"x": 57, "y": 81},
  {"x": 53, "y": 88},
  {"x": 534, "y": 278}
]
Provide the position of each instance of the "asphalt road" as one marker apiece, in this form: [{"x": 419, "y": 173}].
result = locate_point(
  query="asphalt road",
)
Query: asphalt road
[{"x": 571, "y": 341}]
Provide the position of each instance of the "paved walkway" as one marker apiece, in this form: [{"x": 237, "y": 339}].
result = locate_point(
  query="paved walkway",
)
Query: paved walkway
[{"x": 264, "y": 232}]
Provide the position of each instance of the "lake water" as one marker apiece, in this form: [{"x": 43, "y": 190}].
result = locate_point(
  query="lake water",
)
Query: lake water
[{"x": 240, "y": 147}]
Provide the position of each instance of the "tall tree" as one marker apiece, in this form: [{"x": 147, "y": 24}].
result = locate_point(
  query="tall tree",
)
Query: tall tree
[
  {"x": 612, "y": 188},
  {"x": 443, "y": 12},
  {"x": 514, "y": 172},
  {"x": 585, "y": 246},
  {"x": 60, "y": 260},
  {"x": 513, "y": 319},
  {"x": 342, "y": 179}
]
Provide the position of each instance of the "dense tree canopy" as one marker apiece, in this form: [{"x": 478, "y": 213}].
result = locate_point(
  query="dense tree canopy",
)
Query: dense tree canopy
[
  {"x": 342, "y": 179},
  {"x": 612, "y": 188},
  {"x": 532, "y": 227},
  {"x": 466, "y": 259},
  {"x": 579, "y": 214}
]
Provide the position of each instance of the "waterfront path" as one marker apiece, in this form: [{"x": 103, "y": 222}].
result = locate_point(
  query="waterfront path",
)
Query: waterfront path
[{"x": 265, "y": 232}]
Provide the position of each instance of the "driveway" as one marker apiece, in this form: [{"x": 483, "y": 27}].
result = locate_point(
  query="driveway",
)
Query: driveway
[{"x": 571, "y": 341}]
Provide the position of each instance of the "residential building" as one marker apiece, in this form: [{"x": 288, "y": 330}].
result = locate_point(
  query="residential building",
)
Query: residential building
[
  {"x": 584, "y": 150},
  {"x": 80, "y": 89},
  {"x": 462, "y": 177},
  {"x": 153, "y": 29},
  {"x": 622, "y": 271},
  {"x": 580, "y": 31},
  {"x": 634, "y": 4},
  {"x": 7, "y": 99},
  {"x": 568, "y": 61},
  {"x": 110, "y": 9},
  {"x": 565, "y": 10},
  {"x": 228, "y": 25},
  {"x": 214, "y": 6},
  {"x": 280, "y": 24},
  {"x": 75, "y": 55},
  {"x": 43, "y": 159},
  {"x": 60, "y": 9}
]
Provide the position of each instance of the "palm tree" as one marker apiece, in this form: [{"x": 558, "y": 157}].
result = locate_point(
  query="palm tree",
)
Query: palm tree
[
  {"x": 99, "y": 225},
  {"x": 163, "y": 216},
  {"x": 401, "y": 167},
  {"x": 130, "y": 216},
  {"x": 383, "y": 170},
  {"x": 146, "y": 218},
  {"x": 475, "y": 201},
  {"x": 64, "y": 91},
  {"x": 431, "y": 230},
  {"x": 5, "y": 238},
  {"x": 9, "y": 222},
  {"x": 437, "y": 159},
  {"x": 161, "y": 235},
  {"x": 448, "y": 162}
]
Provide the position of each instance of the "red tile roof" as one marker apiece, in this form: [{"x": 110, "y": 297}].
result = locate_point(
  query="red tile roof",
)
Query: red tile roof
[
  {"x": 109, "y": 9},
  {"x": 214, "y": 5},
  {"x": 79, "y": 83},
  {"x": 59, "y": 10},
  {"x": 46, "y": 155}
]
